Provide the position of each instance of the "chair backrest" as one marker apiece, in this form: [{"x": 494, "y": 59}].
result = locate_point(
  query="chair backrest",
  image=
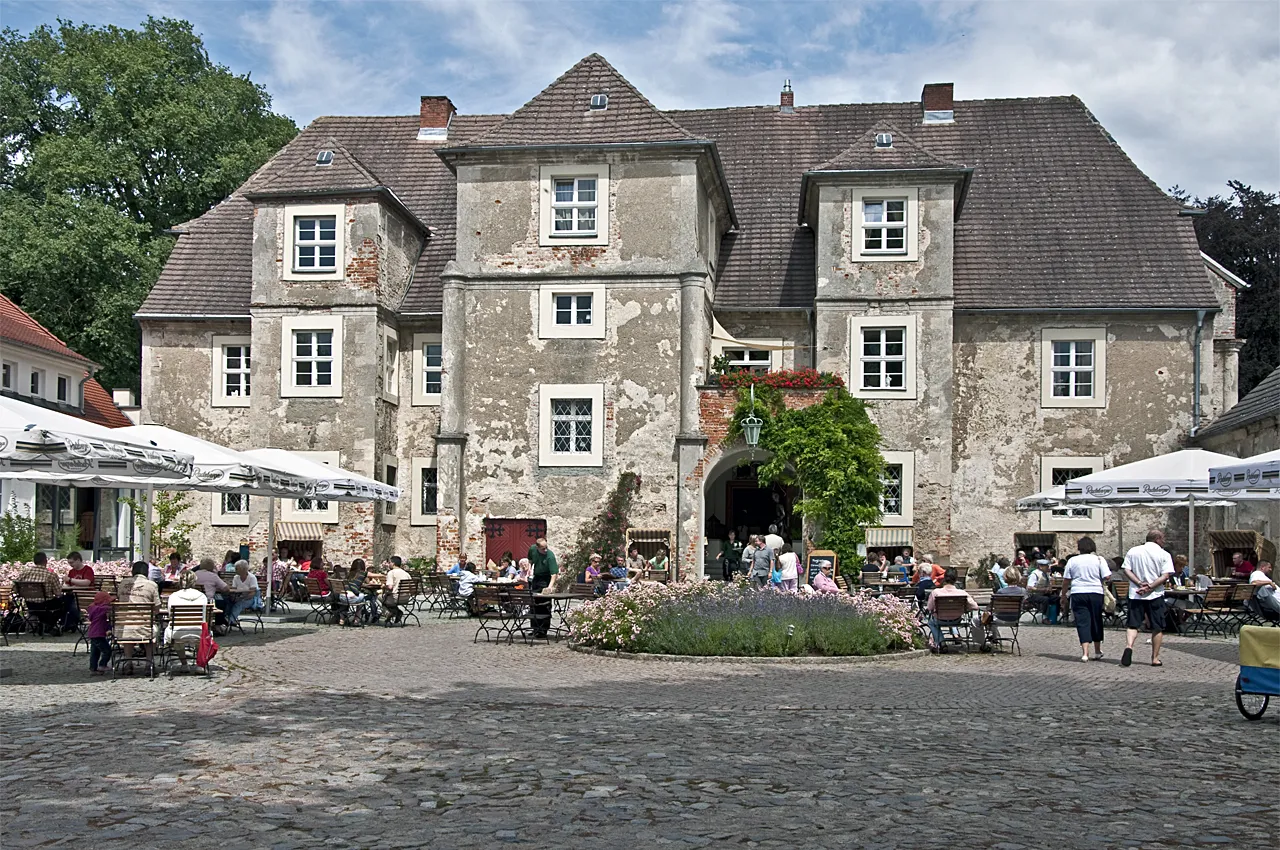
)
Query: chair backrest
[
  {"x": 105, "y": 582},
  {"x": 313, "y": 586},
  {"x": 6, "y": 596},
  {"x": 584, "y": 589},
  {"x": 84, "y": 598},
  {"x": 842, "y": 583},
  {"x": 1241, "y": 594},
  {"x": 1218, "y": 596},
  {"x": 132, "y": 614},
  {"x": 484, "y": 595},
  {"x": 1007, "y": 608},
  {"x": 189, "y": 615},
  {"x": 950, "y": 609},
  {"x": 406, "y": 590},
  {"x": 31, "y": 591},
  {"x": 869, "y": 576},
  {"x": 961, "y": 572},
  {"x": 1120, "y": 587}
]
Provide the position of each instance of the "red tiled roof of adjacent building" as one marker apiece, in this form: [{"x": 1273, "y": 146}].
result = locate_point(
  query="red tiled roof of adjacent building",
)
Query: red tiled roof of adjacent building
[{"x": 16, "y": 326}]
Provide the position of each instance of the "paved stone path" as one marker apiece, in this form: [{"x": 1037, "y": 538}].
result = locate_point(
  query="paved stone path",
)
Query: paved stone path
[{"x": 416, "y": 737}]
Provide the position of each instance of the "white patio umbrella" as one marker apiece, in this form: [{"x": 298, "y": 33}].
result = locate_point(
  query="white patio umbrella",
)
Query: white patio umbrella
[
  {"x": 1253, "y": 478},
  {"x": 1166, "y": 481},
  {"x": 44, "y": 445}
]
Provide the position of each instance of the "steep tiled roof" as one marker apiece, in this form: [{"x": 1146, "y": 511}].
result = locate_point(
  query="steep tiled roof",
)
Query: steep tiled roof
[
  {"x": 904, "y": 154},
  {"x": 19, "y": 328},
  {"x": 1056, "y": 216},
  {"x": 1262, "y": 402},
  {"x": 100, "y": 409},
  {"x": 561, "y": 114},
  {"x": 298, "y": 171}
]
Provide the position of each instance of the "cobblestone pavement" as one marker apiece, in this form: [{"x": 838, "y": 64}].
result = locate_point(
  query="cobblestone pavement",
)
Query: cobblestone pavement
[{"x": 417, "y": 737}]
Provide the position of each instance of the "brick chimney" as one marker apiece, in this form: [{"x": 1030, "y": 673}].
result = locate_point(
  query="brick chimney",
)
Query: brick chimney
[
  {"x": 787, "y": 103},
  {"x": 436, "y": 111},
  {"x": 938, "y": 103}
]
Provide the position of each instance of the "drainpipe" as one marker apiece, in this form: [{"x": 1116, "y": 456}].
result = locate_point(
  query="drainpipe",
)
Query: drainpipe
[{"x": 1195, "y": 408}]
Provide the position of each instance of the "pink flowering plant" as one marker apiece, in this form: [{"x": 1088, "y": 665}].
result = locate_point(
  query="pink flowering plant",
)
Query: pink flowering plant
[
  {"x": 715, "y": 618},
  {"x": 9, "y": 571}
]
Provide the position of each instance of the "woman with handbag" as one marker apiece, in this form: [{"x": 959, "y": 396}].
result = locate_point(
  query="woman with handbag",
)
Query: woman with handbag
[{"x": 1084, "y": 581}]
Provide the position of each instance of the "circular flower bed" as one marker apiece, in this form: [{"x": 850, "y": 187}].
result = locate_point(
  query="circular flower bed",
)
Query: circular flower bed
[{"x": 715, "y": 618}]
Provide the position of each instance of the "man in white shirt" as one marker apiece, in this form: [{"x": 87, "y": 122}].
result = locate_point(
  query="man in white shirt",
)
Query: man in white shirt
[
  {"x": 1265, "y": 590},
  {"x": 1038, "y": 591},
  {"x": 1147, "y": 567},
  {"x": 773, "y": 540},
  {"x": 391, "y": 589}
]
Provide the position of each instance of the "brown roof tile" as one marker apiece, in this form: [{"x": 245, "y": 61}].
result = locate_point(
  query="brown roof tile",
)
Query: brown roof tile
[
  {"x": 904, "y": 154},
  {"x": 561, "y": 114},
  {"x": 100, "y": 409},
  {"x": 1262, "y": 402}
]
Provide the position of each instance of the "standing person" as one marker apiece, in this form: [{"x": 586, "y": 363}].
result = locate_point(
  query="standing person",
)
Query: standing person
[
  {"x": 774, "y": 540},
  {"x": 789, "y": 566},
  {"x": 748, "y": 553},
  {"x": 730, "y": 555},
  {"x": 1148, "y": 567},
  {"x": 763, "y": 561},
  {"x": 1083, "y": 582},
  {"x": 544, "y": 565}
]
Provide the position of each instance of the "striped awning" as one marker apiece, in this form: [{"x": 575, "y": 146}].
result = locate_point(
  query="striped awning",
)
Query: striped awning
[
  {"x": 299, "y": 531},
  {"x": 886, "y": 537}
]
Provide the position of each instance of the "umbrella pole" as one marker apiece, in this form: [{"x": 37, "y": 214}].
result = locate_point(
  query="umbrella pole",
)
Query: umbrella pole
[
  {"x": 1120, "y": 530},
  {"x": 146, "y": 524},
  {"x": 1191, "y": 534},
  {"x": 271, "y": 550}
]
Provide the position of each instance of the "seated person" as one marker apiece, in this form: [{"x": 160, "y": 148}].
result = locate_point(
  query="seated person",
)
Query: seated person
[
  {"x": 1021, "y": 562},
  {"x": 592, "y": 574},
  {"x": 637, "y": 566},
  {"x": 229, "y": 559},
  {"x": 1038, "y": 595},
  {"x": 50, "y": 613},
  {"x": 298, "y": 576},
  {"x": 525, "y": 571},
  {"x": 1182, "y": 569},
  {"x": 318, "y": 573},
  {"x": 461, "y": 564},
  {"x": 996, "y": 571},
  {"x": 79, "y": 573},
  {"x": 173, "y": 569},
  {"x": 1265, "y": 599},
  {"x": 927, "y": 576},
  {"x": 507, "y": 566},
  {"x": 899, "y": 571},
  {"x": 822, "y": 582},
  {"x": 467, "y": 577},
  {"x": 188, "y": 593},
  {"x": 391, "y": 591},
  {"x": 949, "y": 589},
  {"x": 244, "y": 592},
  {"x": 1012, "y": 581},
  {"x": 1240, "y": 566},
  {"x": 352, "y": 593},
  {"x": 617, "y": 577},
  {"x": 139, "y": 590},
  {"x": 660, "y": 562},
  {"x": 214, "y": 588}
]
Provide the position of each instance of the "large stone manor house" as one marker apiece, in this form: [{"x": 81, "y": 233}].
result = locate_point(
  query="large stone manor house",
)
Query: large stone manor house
[{"x": 502, "y": 313}]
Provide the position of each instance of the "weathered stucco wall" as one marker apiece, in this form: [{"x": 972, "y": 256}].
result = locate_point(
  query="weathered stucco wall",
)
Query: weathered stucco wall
[
  {"x": 1253, "y": 439},
  {"x": 1001, "y": 431},
  {"x": 637, "y": 363}
]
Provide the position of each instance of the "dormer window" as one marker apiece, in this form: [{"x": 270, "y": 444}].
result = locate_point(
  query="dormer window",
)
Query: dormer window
[
  {"x": 599, "y": 101},
  {"x": 324, "y": 158},
  {"x": 884, "y": 140}
]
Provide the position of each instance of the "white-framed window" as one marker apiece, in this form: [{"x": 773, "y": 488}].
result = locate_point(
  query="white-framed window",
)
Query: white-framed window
[
  {"x": 231, "y": 379},
  {"x": 743, "y": 354},
  {"x": 886, "y": 224},
  {"x": 37, "y": 382},
  {"x": 311, "y": 356},
  {"x": 313, "y": 242},
  {"x": 390, "y": 365},
  {"x": 230, "y": 509},
  {"x": 424, "y": 495},
  {"x": 64, "y": 388},
  {"x": 7, "y": 371},
  {"x": 897, "y": 500},
  {"x": 428, "y": 368},
  {"x": 571, "y": 425},
  {"x": 574, "y": 205},
  {"x": 571, "y": 312},
  {"x": 1056, "y": 471},
  {"x": 882, "y": 362},
  {"x": 390, "y": 474},
  {"x": 312, "y": 509},
  {"x": 1073, "y": 367}
]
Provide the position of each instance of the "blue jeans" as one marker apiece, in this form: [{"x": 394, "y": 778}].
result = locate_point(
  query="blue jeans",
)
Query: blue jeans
[
  {"x": 99, "y": 653},
  {"x": 238, "y": 605}
]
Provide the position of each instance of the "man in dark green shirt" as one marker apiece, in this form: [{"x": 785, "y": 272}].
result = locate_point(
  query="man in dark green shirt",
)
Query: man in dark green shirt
[
  {"x": 730, "y": 555},
  {"x": 544, "y": 565}
]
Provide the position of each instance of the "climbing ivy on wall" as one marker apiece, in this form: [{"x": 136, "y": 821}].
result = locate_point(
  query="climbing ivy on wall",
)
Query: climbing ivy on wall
[
  {"x": 606, "y": 533},
  {"x": 830, "y": 450}
]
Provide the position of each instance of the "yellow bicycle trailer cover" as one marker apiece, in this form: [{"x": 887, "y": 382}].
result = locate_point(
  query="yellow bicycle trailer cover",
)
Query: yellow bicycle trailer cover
[{"x": 1260, "y": 660}]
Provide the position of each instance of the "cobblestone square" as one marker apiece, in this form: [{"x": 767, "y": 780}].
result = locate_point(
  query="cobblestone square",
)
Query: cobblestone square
[{"x": 417, "y": 737}]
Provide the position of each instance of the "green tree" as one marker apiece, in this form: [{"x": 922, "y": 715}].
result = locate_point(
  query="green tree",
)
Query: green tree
[
  {"x": 17, "y": 536},
  {"x": 831, "y": 451},
  {"x": 1242, "y": 231},
  {"x": 110, "y": 136}
]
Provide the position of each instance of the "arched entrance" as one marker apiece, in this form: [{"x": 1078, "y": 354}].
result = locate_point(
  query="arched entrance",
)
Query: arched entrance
[{"x": 732, "y": 498}]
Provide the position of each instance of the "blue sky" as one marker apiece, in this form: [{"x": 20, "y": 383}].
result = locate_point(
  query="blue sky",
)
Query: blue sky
[{"x": 1188, "y": 89}]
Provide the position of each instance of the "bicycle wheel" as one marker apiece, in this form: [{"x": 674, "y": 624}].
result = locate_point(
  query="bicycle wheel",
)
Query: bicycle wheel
[{"x": 1252, "y": 706}]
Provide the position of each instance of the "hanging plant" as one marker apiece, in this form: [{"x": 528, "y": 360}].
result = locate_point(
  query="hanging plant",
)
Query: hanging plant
[
  {"x": 790, "y": 379},
  {"x": 830, "y": 450}
]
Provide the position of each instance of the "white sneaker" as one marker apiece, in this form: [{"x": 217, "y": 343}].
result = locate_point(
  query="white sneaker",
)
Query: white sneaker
[
  {"x": 1084, "y": 658},
  {"x": 1148, "y": 641}
]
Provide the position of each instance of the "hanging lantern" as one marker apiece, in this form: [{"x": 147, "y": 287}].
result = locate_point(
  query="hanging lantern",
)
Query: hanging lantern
[{"x": 752, "y": 424}]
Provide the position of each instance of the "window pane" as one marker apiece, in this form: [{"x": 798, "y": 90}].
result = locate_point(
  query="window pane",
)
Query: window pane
[
  {"x": 302, "y": 344},
  {"x": 1061, "y": 358},
  {"x": 871, "y": 239},
  {"x": 1084, "y": 385},
  {"x": 306, "y": 256},
  {"x": 584, "y": 309},
  {"x": 302, "y": 374},
  {"x": 559, "y": 408},
  {"x": 873, "y": 211},
  {"x": 233, "y": 357},
  {"x": 328, "y": 259},
  {"x": 894, "y": 239},
  {"x": 759, "y": 356},
  {"x": 587, "y": 190},
  {"x": 582, "y": 407},
  {"x": 564, "y": 309},
  {"x": 1062, "y": 384},
  {"x": 306, "y": 229},
  {"x": 582, "y": 443},
  {"x": 564, "y": 219},
  {"x": 434, "y": 355},
  {"x": 895, "y": 210},
  {"x": 587, "y": 219},
  {"x": 564, "y": 191},
  {"x": 324, "y": 373},
  {"x": 893, "y": 374},
  {"x": 324, "y": 343},
  {"x": 891, "y": 494},
  {"x": 429, "y": 490},
  {"x": 871, "y": 375},
  {"x": 328, "y": 229}
]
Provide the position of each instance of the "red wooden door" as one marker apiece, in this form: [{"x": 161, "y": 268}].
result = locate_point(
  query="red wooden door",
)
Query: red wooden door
[{"x": 511, "y": 535}]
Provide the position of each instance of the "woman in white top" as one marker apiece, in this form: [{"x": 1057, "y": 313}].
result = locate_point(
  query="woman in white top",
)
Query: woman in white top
[
  {"x": 789, "y": 566},
  {"x": 1084, "y": 579},
  {"x": 188, "y": 593}
]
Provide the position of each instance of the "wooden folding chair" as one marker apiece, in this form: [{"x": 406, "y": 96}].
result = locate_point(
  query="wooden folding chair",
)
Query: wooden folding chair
[
  {"x": 84, "y": 598},
  {"x": 186, "y": 617},
  {"x": 951, "y": 613},
  {"x": 133, "y": 626},
  {"x": 1215, "y": 614},
  {"x": 407, "y": 592},
  {"x": 1007, "y": 611},
  {"x": 320, "y": 602},
  {"x": 36, "y": 601},
  {"x": 486, "y": 605}
]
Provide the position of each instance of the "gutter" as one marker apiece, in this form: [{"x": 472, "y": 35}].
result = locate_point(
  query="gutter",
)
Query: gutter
[
  {"x": 1195, "y": 404},
  {"x": 191, "y": 317},
  {"x": 1050, "y": 309}
]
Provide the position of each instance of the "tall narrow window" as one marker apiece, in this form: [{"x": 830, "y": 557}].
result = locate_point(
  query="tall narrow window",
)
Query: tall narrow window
[
  {"x": 573, "y": 206},
  {"x": 433, "y": 368},
  {"x": 313, "y": 358},
  {"x": 235, "y": 371},
  {"x": 64, "y": 388},
  {"x": 390, "y": 474},
  {"x": 6, "y": 376},
  {"x": 315, "y": 243},
  {"x": 884, "y": 358},
  {"x": 428, "y": 497},
  {"x": 884, "y": 225},
  {"x": 571, "y": 426},
  {"x": 891, "y": 490},
  {"x": 391, "y": 364},
  {"x": 37, "y": 382},
  {"x": 1073, "y": 368}
]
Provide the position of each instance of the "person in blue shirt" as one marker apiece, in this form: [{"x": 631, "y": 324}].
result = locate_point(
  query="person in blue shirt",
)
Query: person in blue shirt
[{"x": 457, "y": 568}]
